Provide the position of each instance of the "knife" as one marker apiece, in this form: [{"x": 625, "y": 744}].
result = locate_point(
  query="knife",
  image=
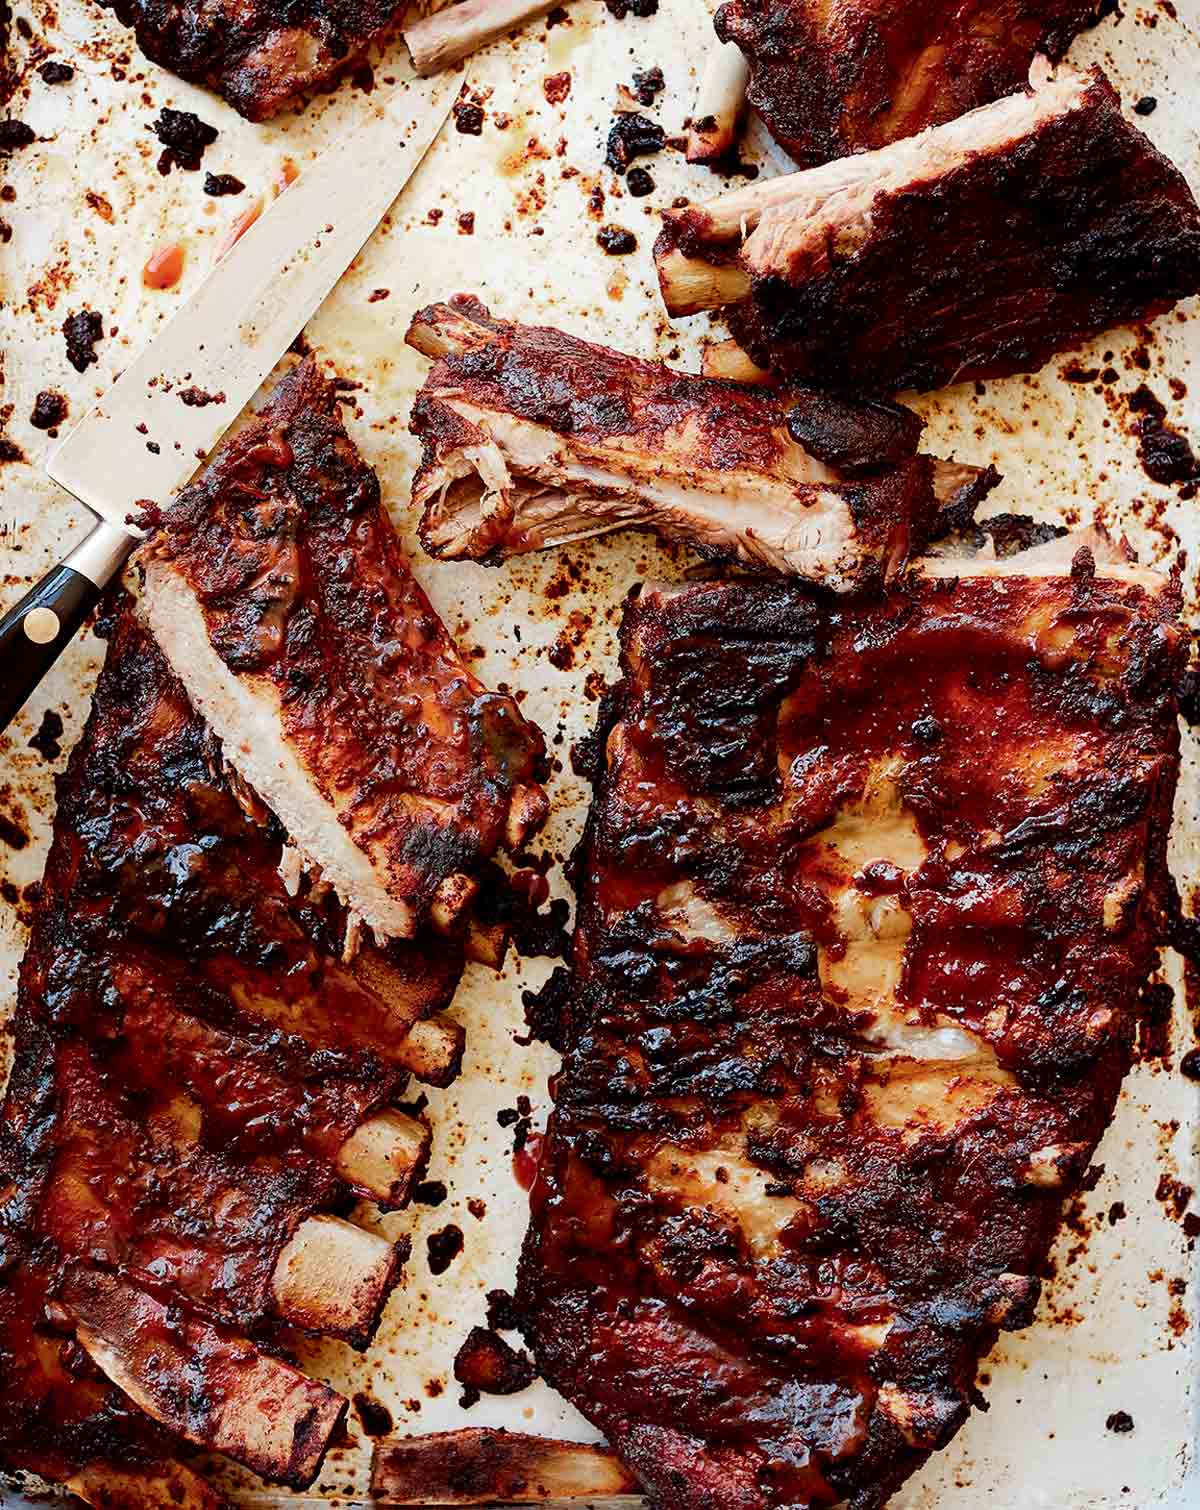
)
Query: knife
[{"x": 142, "y": 441}]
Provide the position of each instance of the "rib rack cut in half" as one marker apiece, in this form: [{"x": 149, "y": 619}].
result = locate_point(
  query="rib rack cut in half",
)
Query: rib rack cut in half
[
  {"x": 830, "y": 79},
  {"x": 868, "y": 896},
  {"x": 277, "y": 587},
  {"x": 976, "y": 249},
  {"x": 533, "y": 438},
  {"x": 257, "y": 54},
  {"x": 201, "y": 1085}
]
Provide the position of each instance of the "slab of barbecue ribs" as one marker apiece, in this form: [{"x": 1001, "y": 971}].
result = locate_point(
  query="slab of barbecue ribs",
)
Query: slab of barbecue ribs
[
  {"x": 867, "y": 898},
  {"x": 533, "y": 438},
  {"x": 202, "y": 1088},
  {"x": 279, "y": 591},
  {"x": 259, "y": 55},
  {"x": 976, "y": 249},
  {"x": 831, "y": 79}
]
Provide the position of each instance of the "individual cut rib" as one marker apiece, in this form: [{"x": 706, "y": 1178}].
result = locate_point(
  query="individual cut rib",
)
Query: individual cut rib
[
  {"x": 277, "y": 587},
  {"x": 977, "y": 249},
  {"x": 257, "y": 54},
  {"x": 202, "y": 1087},
  {"x": 485, "y": 1466},
  {"x": 867, "y": 898},
  {"x": 533, "y": 438},
  {"x": 831, "y": 79}
]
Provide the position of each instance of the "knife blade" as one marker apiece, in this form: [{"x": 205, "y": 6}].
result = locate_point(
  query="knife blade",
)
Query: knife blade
[{"x": 149, "y": 433}]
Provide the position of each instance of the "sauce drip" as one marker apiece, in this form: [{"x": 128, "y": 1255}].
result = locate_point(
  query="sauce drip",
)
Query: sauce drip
[{"x": 526, "y": 1159}]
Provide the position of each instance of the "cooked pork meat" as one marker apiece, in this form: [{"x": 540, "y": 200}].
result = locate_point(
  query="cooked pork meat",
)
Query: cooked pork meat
[
  {"x": 533, "y": 438},
  {"x": 200, "y": 1084},
  {"x": 976, "y": 249},
  {"x": 867, "y": 898},
  {"x": 257, "y": 54},
  {"x": 277, "y": 588},
  {"x": 833, "y": 79}
]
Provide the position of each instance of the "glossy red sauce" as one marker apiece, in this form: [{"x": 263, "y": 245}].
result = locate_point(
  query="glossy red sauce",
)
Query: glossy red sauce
[
  {"x": 164, "y": 266},
  {"x": 525, "y": 1161}
]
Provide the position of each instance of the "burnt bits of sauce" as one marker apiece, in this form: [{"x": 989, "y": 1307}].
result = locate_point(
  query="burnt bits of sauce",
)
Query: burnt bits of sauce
[
  {"x": 185, "y": 138},
  {"x": 82, "y": 330}
]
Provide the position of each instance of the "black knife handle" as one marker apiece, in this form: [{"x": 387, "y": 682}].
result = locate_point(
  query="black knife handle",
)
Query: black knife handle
[{"x": 35, "y": 632}]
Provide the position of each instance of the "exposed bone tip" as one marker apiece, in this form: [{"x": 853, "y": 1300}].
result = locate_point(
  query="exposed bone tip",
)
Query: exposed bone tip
[
  {"x": 453, "y": 895},
  {"x": 527, "y": 811}
]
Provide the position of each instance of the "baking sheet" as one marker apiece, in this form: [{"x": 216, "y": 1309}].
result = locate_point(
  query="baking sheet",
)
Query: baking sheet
[{"x": 1115, "y": 1330}]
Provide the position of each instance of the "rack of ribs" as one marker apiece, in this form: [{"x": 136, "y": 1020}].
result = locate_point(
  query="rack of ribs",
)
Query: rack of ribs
[
  {"x": 259, "y": 55},
  {"x": 868, "y": 895},
  {"x": 202, "y": 1088},
  {"x": 834, "y": 79},
  {"x": 533, "y": 438},
  {"x": 278, "y": 589},
  {"x": 976, "y": 249}
]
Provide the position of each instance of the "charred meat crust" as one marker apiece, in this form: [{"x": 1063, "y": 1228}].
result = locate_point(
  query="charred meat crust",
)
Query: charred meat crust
[
  {"x": 308, "y": 600},
  {"x": 613, "y": 429},
  {"x": 257, "y": 54},
  {"x": 762, "y": 1259},
  {"x": 830, "y": 80},
  {"x": 190, "y": 1052},
  {"x": 985, "y": 270}
]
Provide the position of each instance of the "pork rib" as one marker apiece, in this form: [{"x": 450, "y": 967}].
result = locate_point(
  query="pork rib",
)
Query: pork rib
[
  {"x": 259, "y": 55},
  {"x": 867, "y": 899},
  {"x": 831, "y": 79},
  {"x": 278, "y": 590},
  {"x": 201, "y": 1083},
  {"x": 533, "y": 438},
  {"x": 977, "y": 249}
]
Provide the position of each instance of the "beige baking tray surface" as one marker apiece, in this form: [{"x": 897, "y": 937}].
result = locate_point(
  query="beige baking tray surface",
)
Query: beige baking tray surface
[{"x": 86, "y": 206}]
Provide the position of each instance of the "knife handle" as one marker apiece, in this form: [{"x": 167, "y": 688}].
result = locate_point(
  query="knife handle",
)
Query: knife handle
[{"x": 34, "y": 633}]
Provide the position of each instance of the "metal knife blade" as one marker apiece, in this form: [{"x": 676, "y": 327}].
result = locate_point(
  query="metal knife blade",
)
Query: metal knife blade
[{"x": 240, "y": 321}]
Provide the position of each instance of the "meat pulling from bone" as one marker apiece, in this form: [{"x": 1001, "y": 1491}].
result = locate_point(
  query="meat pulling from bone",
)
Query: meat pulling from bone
[
  {"x": 867, "y": 898},
  {"x": 257, "y": 54},
  {"x": 201, "y": 1084},
  {"x": 533, "y": 438},
  {"x": 277, "y": 587},
  {"x": 831, "y": 79},
  {"x": 976, "y": 249}
]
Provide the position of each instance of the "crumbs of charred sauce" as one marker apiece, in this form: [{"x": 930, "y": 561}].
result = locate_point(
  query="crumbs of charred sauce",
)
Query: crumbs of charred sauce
[
  {"x": 221, "y": 184},
  {"x": 49, "y": 734},
  {"x": 443, "y": 1248},
  {"x": 485, "y": 1362},
  {"x": 1165, "y": 453},
  {"x": 54, "y": 72},
  {"x": 616, "y": 240},
  {"x": 82, "y": 330},
  {"x": 16, "y": 134},
  {"x": 632, "y": 135},
  {"x": 376, "y": 1419},
  {"x": 185, "y": 139},
  {"x": 468, "y": 118},
  {"x": 50, "y": 409}
]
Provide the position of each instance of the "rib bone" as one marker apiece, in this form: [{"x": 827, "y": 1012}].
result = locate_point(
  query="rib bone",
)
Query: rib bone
[
  {"x": 445, "y": 38},
  {"x": 474, "y": 1466},
  {"x": 712, "y": 131},
  {"x": 334, "y": 1278},
  {"x": 384, "y": 1157},
  {"x": 215, "y": 1390}
]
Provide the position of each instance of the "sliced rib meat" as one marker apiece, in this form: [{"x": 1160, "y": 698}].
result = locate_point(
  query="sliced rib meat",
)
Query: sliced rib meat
[
  {"x": 976, "y": 249},
  {"x": 835, "y": 77},
  {"x": 277, "y": 587},
  {"x": 533, "y": 438},
  {"x": 867, "y": 898},
  {"x": 201, "y": 1085}
]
